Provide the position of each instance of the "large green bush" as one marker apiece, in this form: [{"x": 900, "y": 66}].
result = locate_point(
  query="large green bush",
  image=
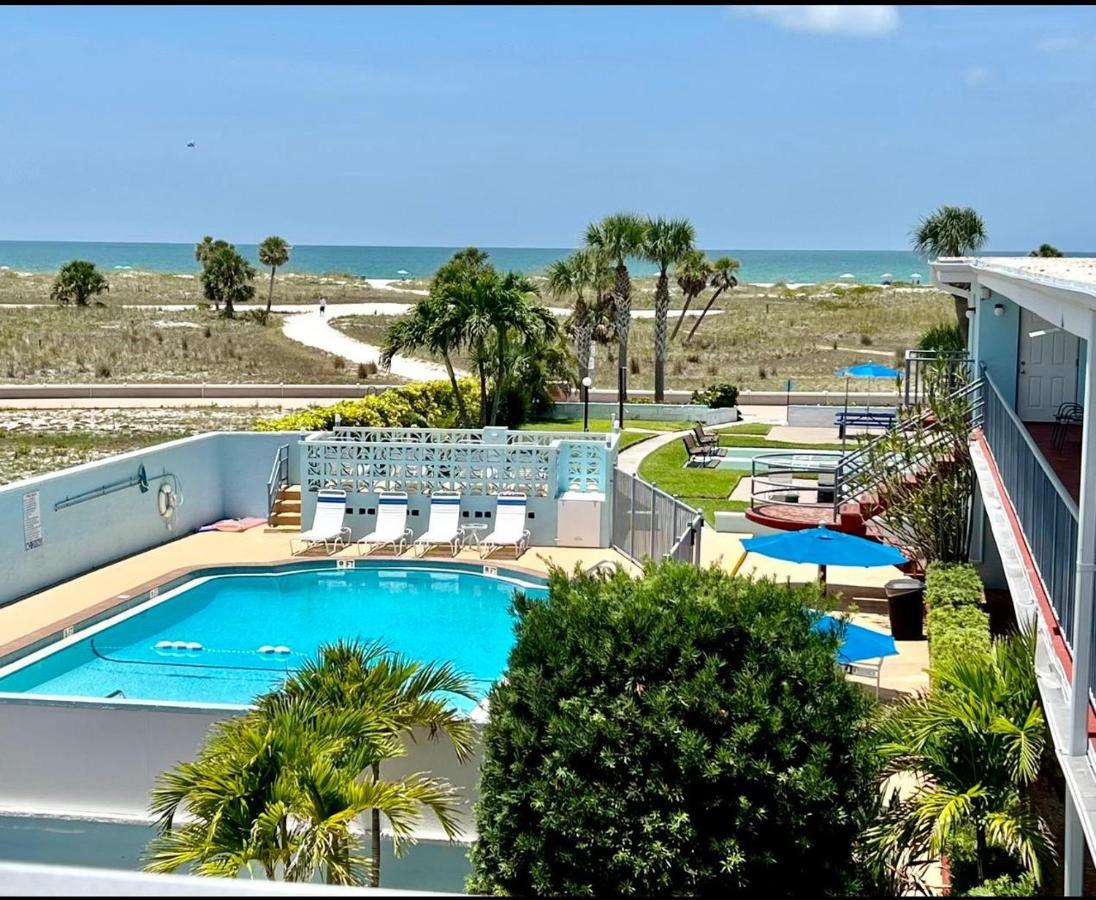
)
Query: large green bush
[
  {"x": 427, "y": 404},
  {"x": 952, "y": 585},
  {"x": 685, "y": 732}
]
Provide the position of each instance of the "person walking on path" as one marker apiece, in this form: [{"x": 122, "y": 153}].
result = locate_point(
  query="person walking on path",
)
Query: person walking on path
[{"x": 323, "y": 305}]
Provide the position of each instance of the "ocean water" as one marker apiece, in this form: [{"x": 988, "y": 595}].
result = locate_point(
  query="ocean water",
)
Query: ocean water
[{"x": 420, "y": 262}]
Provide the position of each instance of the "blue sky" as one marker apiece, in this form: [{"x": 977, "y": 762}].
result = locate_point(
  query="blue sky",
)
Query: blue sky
[{"x": 809, "y": 127}]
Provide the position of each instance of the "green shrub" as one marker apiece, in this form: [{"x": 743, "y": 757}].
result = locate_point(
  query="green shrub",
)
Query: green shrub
[
  {"x": 957, "y": 625},
  {"x": 717, "y": 396},
  {"x": 427, "y": 404},
  {"x": 685, "y": 732},
  {"x": 952, "y": 585},
  {"x": 945, "y": 337},
  {"x": 1005, "y": 886}
]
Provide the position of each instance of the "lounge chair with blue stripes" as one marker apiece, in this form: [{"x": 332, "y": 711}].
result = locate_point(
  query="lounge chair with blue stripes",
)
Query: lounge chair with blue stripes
[
  {"x": 510, "y": 530},
  {"x": 327, "y": 523},
  {"x": 443, "y": 529},
  {"x": 391, "y": 530}
]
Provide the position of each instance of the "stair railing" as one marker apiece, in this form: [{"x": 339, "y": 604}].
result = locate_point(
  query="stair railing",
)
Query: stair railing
[{"x": 279, "y": 478}]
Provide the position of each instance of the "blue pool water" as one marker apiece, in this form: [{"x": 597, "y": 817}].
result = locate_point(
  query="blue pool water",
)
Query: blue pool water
[{"x": 423, "y": 612}]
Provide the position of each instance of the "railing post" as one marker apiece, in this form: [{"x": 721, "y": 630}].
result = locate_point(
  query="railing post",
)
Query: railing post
[
  {"x": 654, "y": 498},
  {"x": 632, "y": 515}
]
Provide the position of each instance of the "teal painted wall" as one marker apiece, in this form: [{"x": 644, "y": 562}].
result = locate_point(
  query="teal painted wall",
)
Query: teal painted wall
[{"x": 998, "y": 343}]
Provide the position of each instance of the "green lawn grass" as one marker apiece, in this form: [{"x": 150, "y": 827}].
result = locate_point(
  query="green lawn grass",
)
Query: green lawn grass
[
  {"x": 707, "y": 490},
  {"x": 604, "y": 425},
  {"x": 748, "y": 428}
]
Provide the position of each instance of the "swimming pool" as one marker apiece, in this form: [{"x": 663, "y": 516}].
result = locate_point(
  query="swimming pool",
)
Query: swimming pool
[{"x": 226, "y": 638}]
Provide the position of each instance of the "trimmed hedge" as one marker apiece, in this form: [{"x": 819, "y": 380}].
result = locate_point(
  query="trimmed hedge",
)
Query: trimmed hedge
[
  {"x": 957, "y": 625},
  {"x": 428, "y": 404}
]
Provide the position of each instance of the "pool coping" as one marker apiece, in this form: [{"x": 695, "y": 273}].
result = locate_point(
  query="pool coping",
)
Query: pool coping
[{"x": 31, "y": 642}]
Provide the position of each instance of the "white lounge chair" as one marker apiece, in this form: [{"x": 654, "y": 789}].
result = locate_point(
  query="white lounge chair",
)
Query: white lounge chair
[
  {"x": 391, "y": 527},
  {"x": 510, "y": 530},
  {"x": 444, "y": 526},
  {"x": 327, "y": 523}
]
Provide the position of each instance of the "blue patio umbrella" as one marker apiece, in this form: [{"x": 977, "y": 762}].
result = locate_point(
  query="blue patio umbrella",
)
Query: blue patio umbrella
[
  {"x": 863, "y": 370},
  {"x": 858, "y": 643},
  {"x": 824, "y": 547}
]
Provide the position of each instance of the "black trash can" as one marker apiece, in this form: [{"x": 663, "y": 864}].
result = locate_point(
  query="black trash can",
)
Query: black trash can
[{"x": 906, "y": 607}]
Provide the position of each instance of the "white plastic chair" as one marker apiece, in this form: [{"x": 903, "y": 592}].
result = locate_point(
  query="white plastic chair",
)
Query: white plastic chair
[
  {"x": 443, "y": 528},
  {"x": 391, "y": 527},
  {"x": 327, "y": 523},
  {"x": 510, "y": 530},
  {"x": 872, "y": 670}
]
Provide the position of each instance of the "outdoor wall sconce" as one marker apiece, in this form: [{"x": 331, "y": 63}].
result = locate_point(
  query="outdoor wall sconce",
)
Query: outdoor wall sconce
[
  {"x": 999, "y": 309},
  {"x": 970, "y": 312}
]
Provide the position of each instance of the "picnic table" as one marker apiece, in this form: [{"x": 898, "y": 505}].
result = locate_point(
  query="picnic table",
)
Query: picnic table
[{"x": 862, "y": 419}]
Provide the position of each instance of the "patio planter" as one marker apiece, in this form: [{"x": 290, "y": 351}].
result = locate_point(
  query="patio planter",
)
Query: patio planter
[{"x": 906, "y": 608}]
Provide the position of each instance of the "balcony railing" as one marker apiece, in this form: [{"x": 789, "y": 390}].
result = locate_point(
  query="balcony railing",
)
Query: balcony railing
[{"x": 1047, "y": 512}]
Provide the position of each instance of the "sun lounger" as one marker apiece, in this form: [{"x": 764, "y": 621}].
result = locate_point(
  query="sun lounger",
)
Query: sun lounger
[
  {"x": 444, "y": 526},
  {"x": 327, "y": 524},
  {"x": 510, "y": 530},
  {"x": 391, "y": 530}
]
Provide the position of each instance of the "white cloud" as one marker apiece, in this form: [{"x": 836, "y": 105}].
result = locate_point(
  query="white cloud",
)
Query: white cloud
[
  {"x": 1059, "y": 43},
  {"x": 975, "y": 75},
  {"x": 846, "y": 21}
]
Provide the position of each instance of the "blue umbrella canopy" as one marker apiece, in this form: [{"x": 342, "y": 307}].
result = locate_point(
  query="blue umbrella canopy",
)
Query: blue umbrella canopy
[
  {"x": 868, "y": 370},
  {"x": 824, "y": 547},
  {"x": 857, "y": 642}
]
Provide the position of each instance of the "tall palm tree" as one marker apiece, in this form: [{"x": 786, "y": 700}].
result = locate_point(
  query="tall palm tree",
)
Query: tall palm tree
[
  {"x": 1048, "y": 251},
  {"x": 693, "y": 273},
  {"x": 722, "y": 279},
  {"x": 227, "y": 278},
  {"x": 280, "y": 787},
  {"x": 971, "y": 746},
  {"x": 615, "y": 238},
  {"x": 665, "y": 243},
  {"x": 435, "y": 324},
  {"x": 951, "y": 231},
  {"x": 350, "y": 675},
  {"x": 273, "y": 252},
  {"x": 573, "y": 276}
]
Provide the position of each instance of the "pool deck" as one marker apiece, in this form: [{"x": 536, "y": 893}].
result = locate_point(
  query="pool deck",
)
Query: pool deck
[{"x": 72, "y": 602}]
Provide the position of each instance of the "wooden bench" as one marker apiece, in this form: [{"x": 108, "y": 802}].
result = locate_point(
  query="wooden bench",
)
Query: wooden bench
[{"x": 843, "y": 420}]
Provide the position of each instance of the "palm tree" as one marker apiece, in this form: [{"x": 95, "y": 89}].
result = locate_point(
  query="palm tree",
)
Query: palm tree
[
  {"x": 1048, "y": 251},
  {"x": 722, "y": 279},
  {"x": 693, "y": 274},
  {"x": 666, "y": 242},
  {"x": 227, "y": 277},
  {"x": 273, "y": 252},
  {"x": 411, "y": 696},
  {"x": 574, "y": 275},
  {"x": 971, "y": 745},
  {"x": 434, "y": 324},
  {"x": 77, "y": 282},
  {"x": 204, "y": 247},
  {"x": 280, "y": 787},
  {"x": 951, "y": 231},
  {"x": 614, "y": 239}
]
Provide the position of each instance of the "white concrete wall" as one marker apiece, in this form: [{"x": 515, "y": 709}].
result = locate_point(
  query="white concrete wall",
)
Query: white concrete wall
[{"x": 101, "y": 760}]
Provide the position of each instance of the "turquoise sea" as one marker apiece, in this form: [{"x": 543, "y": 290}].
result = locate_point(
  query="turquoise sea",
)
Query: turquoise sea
[{"x": 418, "y": 262}]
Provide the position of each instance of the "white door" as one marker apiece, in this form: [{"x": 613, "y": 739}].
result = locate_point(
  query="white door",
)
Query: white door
[{"x": 1048, "y": 368}]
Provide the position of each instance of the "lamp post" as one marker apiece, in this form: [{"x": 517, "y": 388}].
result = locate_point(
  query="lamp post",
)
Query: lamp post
[{"x": 586, "y": 382}]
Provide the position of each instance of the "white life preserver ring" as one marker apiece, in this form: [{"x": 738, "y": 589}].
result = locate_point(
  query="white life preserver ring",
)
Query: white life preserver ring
[{"x": 166, "y": 501}]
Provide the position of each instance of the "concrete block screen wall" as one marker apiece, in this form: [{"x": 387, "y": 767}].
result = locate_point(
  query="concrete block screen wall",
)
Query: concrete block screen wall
[{"x": 215, "y": 476}]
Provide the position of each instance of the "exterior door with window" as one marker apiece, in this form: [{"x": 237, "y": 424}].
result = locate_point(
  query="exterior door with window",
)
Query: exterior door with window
[{"x": 1048, "y": 368}]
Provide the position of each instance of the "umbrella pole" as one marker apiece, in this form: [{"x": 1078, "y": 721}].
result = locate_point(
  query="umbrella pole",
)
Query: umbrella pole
[{"x": 822, "y": 577}]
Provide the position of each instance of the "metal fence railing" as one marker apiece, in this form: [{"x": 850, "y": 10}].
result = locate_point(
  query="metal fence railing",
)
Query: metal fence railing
[
  {"x": 279, "y": 477},
  {"x": 928, "y": 370},
  {"x": 1047, "y": 512},
  {"x": 648, "y": 522}
]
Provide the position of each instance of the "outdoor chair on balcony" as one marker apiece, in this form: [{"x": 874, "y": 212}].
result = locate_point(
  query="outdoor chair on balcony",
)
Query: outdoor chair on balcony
[
  {"x": 391, "y": 530},
  {"x": 1067, "y": 414}
]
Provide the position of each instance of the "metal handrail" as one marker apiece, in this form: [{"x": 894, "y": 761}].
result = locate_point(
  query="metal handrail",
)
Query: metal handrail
[
  {"x": 1018, "y": 423},
  {"x": 279, "y": 477}
]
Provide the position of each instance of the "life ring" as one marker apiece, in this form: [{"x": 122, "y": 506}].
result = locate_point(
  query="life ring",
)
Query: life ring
[{"x": 166, "y": 501}]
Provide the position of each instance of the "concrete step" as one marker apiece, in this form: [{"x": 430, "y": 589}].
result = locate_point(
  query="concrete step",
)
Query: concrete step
[
  {"x": 292, "y": 519},
  {"x": 283, "y": 504},
  {"x": 284, "y": 529},
  {"x": 292, "y": 492}
]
